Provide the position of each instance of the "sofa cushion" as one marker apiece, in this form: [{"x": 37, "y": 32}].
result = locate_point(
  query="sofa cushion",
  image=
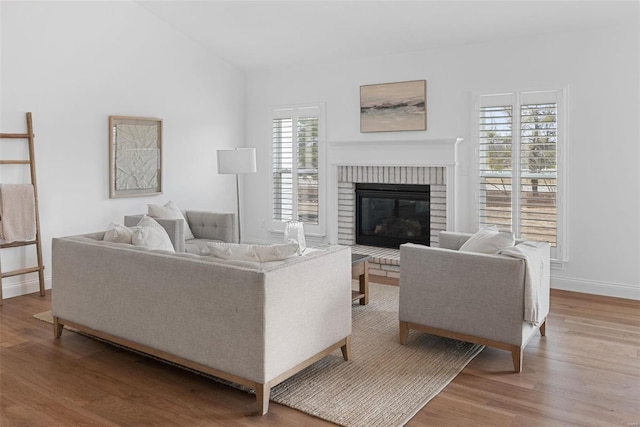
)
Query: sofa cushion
[
  {"x": 488, "y": 240},
  {"x": 151, "y": 235},
  {"x": 118, "y": 233},
  {"x": 261, "y": 253},
  {"x": 170, "y": 211},
  {"x": 199, "y": 246}
]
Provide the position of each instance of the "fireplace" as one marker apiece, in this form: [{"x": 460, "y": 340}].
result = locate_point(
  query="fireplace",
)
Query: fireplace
[{"x": 388, "y": 215}]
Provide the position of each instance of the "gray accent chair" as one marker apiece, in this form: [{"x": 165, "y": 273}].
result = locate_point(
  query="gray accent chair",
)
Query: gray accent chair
[
  {"x": 205, "y": 226},
  {"x": 467, "y": 296}
]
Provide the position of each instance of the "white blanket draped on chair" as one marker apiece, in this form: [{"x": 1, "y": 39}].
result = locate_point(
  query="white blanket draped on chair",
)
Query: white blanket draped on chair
[{"x": 537, "y": 277}]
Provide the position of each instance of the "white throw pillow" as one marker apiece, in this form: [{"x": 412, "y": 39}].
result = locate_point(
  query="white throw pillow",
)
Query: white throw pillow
[
  {"x": 488, "y": 241},
  {"x": 170, "y": 211},
  {"x": 261, "y": 253},
  {"x": 151, "y": 235},
  {"x": 118, "y": 233}
]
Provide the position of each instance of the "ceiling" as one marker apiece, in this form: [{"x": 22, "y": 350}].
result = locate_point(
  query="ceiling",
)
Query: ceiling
[{"x": 268, "y": 33}]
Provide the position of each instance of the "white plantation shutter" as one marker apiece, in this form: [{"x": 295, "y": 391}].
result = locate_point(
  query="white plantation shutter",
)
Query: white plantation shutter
[
  {"x": 496, "y": 163},
  {"x": 307, "y": 169},
  {"x": 538, "y": 171},
  {"x": 282, "y": 169},
  {"x": 295, "y": 164},
  {"x": 518, "y": 164}
]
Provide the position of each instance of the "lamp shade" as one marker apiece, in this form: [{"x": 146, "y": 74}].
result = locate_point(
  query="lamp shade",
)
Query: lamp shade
[{"x": 238, "y": 160}]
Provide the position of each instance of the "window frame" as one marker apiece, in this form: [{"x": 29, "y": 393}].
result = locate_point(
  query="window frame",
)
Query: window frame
[
  {"x": 559, "y": 254},
  {"x": 296, "y": 111}
]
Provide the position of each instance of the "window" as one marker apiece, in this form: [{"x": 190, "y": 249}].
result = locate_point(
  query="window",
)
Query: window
[
  {"x": 519, "y": 153},
  {"x": 296, "y": 154}
]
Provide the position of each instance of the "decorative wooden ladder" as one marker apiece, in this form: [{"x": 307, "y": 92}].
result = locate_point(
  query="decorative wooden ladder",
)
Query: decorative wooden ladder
[{"x": 30, "y": 136}]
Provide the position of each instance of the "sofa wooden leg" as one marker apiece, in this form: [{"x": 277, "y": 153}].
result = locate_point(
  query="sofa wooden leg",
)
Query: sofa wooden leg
[
  {"x": 57, "y": 327},
  {"x": 404, "y": 332},
  {"x": 346, "y": 349},
  {"x": 263, "y": 391},
  {"x": 516, "y": 355},
  {"x": 543, "y": 328}
]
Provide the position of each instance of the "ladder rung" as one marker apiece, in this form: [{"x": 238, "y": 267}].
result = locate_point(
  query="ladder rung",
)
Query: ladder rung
[
  {"x": 17, "y": 244},
  {"x": 15, "y": 135},
  {"x": 15, "y": 162},
  {"x": 22, "y": 271}
]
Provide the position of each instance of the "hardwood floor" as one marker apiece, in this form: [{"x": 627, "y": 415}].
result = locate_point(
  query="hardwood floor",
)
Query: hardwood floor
[{"x": 586, "y": 372}]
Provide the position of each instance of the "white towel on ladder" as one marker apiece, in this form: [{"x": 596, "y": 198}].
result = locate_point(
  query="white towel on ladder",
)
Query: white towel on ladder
[{"x": 17, "y": 212}]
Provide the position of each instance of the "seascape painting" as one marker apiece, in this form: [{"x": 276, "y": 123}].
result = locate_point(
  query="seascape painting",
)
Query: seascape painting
[{"x": 391, "y": 107}]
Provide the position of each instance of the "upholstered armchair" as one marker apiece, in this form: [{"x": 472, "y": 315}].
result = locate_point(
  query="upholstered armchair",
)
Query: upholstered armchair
[
  {"x": 205, "y": 226},
  {"x": 473, "y": 297}
]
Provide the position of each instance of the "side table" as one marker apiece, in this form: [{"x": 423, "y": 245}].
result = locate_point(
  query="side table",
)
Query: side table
[{"x": 360, "y": 271}]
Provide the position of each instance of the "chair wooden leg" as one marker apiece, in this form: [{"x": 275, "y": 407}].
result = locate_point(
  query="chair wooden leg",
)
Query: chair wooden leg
[
  {"x": 516, "y": 355},
  {"x": 263, "y": 391},
  {"x": 543, "y": 328},
  {"x": 346, "y": 349},
  {"x": 57, "y": 327},
  {"x": 404, "y": 332}
]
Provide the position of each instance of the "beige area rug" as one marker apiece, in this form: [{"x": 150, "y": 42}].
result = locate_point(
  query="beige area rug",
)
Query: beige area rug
[{"x": 385, "y": 384}]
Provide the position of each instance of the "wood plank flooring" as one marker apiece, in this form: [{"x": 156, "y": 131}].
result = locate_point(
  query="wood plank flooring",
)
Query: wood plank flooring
[{"x": 585, "y": 372}]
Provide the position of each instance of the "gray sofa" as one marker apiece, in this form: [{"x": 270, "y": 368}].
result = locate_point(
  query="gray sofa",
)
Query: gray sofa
[
  {"x": 205, "y": 226},
  {"x": 254, "y": 324},
  {"x": 467, "y": 296}
]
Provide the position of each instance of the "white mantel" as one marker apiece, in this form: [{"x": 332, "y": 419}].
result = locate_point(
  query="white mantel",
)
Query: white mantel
[
  {"x": 431, "y": 152},
  {"x": 424, "y": 152}
]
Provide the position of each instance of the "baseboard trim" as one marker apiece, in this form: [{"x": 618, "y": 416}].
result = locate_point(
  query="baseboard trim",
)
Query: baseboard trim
[
  {"x": 24, "y": 287},
  {"x": 617, "y": 290}
]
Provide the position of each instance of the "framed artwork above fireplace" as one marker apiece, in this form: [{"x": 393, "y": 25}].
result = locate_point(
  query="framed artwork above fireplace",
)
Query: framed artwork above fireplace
[{"x": 392, "y": 107}]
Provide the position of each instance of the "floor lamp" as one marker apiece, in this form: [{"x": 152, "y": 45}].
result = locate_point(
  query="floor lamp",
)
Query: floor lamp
[{"x": 237, "y": 161}]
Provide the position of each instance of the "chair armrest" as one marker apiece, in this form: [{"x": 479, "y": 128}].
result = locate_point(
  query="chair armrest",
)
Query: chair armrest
[
  {"x": 212, "y": 225},
  {"x": 469, "y": 293},
  {"x": 173, "y": 227}
]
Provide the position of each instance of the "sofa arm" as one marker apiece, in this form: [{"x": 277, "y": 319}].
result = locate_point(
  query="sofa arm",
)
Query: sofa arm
[
  {"x": 468, "y": 293},
  {"x": 452, "y": 240},
  {"x": 212, "y": 225},
  {"x": 173, "y": 227}
]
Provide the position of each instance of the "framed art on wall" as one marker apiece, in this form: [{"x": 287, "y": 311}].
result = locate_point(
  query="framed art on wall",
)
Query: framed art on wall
[
  {"x": 391, "y": 107},
  {"x": 135, "y": 156}
]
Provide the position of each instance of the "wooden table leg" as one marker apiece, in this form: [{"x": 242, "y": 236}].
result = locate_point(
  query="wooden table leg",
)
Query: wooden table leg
[{"x": 364, "y": 284}]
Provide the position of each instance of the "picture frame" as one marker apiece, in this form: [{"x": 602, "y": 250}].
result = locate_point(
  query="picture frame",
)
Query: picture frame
[
  {"x": 135, "y": 156},
  {"x": 393, "y": 107}
]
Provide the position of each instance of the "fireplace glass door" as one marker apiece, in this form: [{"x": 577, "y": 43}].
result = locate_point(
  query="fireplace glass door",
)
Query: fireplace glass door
[{"x": 388, "y": 215}]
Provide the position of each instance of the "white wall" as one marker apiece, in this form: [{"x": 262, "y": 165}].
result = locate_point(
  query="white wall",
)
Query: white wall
[
  {"x": 600, "y": 69},
  {"x": 73, "y": 64}
]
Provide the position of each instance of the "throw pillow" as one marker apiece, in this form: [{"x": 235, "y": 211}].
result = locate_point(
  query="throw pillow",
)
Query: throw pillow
[
  {"x": 170, "y": 211},
  {"x": 261, "y": 253},
  {"x": 151, "y": 235},
  {"x": 118, "y": 233},
  {"x": 488, "y": 241}
]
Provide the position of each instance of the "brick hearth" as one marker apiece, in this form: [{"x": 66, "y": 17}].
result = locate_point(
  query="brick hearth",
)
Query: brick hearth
[{"x": 386, "y": 262}]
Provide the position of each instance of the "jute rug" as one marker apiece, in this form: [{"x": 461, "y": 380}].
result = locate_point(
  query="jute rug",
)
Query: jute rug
[{"x": 386, "y": 383}]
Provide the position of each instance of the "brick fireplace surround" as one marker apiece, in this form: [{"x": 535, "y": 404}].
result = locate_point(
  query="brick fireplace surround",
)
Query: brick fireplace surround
[
  {"x": 429, "y": 162},
  {"x": 386, "y": 262}
]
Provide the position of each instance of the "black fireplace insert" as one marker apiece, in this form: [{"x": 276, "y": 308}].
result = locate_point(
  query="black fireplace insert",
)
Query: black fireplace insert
[{"x": 388, "y": 215}]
